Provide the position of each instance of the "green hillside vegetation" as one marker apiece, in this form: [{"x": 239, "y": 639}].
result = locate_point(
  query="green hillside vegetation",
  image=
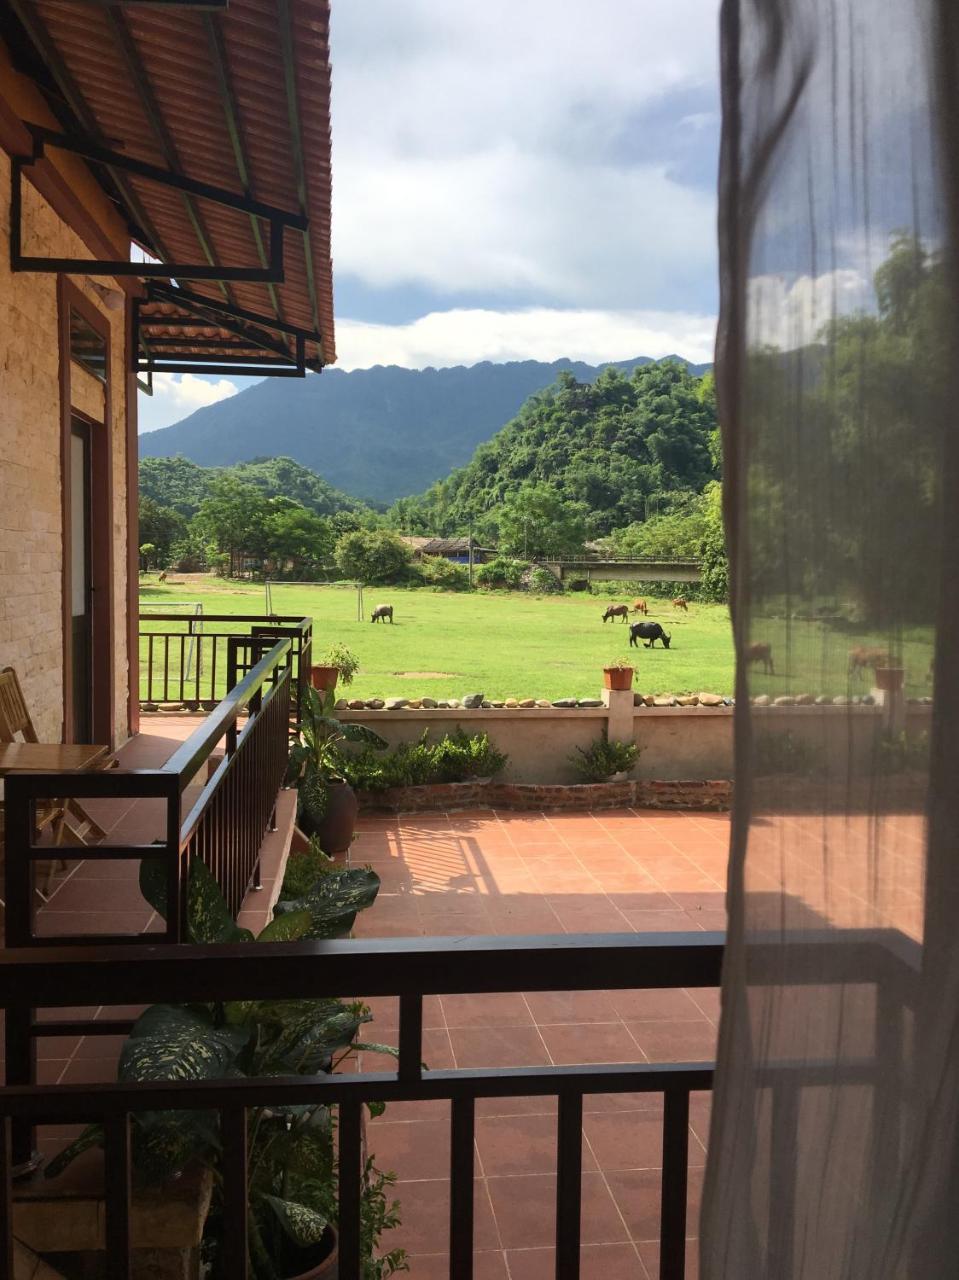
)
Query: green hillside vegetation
[
  {"x": 380, "y": 433},
  {"x": 609, "y": 453},
  {"x": 183, "y": 485}
]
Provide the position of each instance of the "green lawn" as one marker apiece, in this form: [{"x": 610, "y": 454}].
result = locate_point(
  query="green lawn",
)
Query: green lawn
[
  {"x": 501, "y": 645},
  {"x": 445, "y": 645}
]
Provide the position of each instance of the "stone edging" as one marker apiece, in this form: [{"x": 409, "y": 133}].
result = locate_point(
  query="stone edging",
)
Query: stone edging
[{"x": 712, "y": 795}]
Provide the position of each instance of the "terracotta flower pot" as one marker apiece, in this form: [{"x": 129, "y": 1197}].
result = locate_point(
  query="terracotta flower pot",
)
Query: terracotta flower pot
[
  {"x": 618, "y": 677},
  {"x": 335, "y": 832},
  {"x": 890, "y": 678},
  {"x": 324, "y": 677}
]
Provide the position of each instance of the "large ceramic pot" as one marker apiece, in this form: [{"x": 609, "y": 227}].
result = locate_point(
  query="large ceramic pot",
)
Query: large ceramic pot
[
  {"x": 335, "y": 832},
  {"x": 321, "y": 1262},
  {"x": 324, "y": 677}
]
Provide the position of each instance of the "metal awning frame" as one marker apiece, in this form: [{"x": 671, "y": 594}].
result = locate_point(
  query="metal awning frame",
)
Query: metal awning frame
[
  {"x": 197, "y": 311},
  {"x": 277, "y": 219}
]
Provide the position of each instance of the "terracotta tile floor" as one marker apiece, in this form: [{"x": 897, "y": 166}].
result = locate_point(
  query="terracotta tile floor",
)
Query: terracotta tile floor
[{"x": 506, "y": 873}]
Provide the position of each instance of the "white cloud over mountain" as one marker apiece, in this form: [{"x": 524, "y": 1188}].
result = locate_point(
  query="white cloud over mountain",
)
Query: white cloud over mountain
[{"x": 466, "y": 336}]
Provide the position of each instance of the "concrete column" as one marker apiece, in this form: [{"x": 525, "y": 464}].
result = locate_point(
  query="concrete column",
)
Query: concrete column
[
  {"x": 893, "y": 704},
  {"x": 619, "y": 705}
]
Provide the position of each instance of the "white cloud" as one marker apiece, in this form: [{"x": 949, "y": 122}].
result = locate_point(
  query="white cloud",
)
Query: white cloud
[
  {"x": 186, "y": 392},
  {"x": 466, "y": 336},
  {"x": 788, "y": 315},
  {"x": 495, "y": 147}
]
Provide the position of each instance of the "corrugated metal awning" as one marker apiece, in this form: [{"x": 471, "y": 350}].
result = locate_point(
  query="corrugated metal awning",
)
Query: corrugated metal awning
[{"x": 229, "y": 102}]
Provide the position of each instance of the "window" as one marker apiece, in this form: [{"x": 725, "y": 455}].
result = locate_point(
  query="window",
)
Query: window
[{"x": 87, "y": 347}]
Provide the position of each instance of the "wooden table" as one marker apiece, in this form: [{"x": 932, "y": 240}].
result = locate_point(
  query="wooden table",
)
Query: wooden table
[{"x": 51, "y": 757}]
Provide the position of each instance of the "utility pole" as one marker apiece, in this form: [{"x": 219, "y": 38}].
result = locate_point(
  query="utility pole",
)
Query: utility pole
[{"x": 470, "y": 548}]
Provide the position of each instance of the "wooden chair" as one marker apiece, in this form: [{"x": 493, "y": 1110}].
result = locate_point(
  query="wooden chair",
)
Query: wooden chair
[{"x": 62, "y": 816}]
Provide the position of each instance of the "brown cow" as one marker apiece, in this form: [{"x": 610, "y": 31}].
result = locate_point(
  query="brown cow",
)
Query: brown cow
[
  {"x": 162, "y": 577},
  {"x": 681, "y": 603},
  {"x": 760, "y": 653},
  {"x": 640, "y": 606},
  {"x": 617, "y": 611},
  {"x": 863, "y": 657}
]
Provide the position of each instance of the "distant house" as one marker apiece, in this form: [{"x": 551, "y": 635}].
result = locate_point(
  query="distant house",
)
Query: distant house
[{"x": 455, "y": 549}]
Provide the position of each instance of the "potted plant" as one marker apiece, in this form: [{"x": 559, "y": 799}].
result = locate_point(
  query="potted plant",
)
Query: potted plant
[
  {"x": 618, "y": 674},
  {"x": 336, "y": 663},
  {"x": 605, "y": 761},
  {"x": 327, "y": 803},
  {"x": 292, "y": 1178},
  {"x": 890, "y": 679}
]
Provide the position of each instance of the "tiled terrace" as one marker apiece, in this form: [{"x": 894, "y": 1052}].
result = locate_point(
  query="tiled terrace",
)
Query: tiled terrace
[{"x": 506, "y": 873}]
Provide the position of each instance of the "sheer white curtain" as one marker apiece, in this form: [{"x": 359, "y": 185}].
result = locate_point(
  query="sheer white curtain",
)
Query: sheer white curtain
[{"x": 834, "y": 1145}]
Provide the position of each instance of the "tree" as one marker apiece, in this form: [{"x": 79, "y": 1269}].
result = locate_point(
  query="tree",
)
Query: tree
[
  {"x": 161, "y": 527},
  {"x": 675, "y": 534},
  {"x": 712, "y": 549},
  {"x": 372, "y": 555},
  {"x": 234, "y": 517},
  {"x": 293, "y": 533},
  {"x": 536, "y": 521}
]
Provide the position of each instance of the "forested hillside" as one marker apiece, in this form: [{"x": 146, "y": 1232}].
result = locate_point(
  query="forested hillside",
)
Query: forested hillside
[
  {"x": 610, "y": 453},
  {"x": 379, "y": 433},
  {"x": 182, "y": 485}
]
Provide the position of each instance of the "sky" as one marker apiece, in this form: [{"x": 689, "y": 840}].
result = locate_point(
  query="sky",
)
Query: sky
[{"x": 512, "y": 180}]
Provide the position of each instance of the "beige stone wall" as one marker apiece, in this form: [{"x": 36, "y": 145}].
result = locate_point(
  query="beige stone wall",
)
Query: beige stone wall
[
  {"x": 677, "y": 742},
  {"x": 31, "y": 536}
]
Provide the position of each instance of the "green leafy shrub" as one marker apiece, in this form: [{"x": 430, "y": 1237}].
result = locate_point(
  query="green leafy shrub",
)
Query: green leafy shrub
[
  {"x": 602, "y": 758},
  {"x": 460, "y": 756},
  {"x": 457, "y": 757},
  {"x": 897, "y": 753},
  {"x": 778, "y": 753},
  {"x": 437, "y": 571},
  {"x": 502, "y": 572},
  {"x": 345, "y": 661},
  {"x": 541, "y": 582},
  {"x": 372, "y": 556}
]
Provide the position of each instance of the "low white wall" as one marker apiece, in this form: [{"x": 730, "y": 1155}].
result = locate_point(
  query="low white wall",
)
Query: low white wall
[{"x": 676, "y": 742}]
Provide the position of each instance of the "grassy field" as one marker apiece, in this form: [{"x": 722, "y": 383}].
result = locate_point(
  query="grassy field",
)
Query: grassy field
[{"x": 445, "y": 645}]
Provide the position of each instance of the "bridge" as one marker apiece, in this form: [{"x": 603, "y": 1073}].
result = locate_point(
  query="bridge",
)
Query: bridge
[{"x": 623, "y": 569}]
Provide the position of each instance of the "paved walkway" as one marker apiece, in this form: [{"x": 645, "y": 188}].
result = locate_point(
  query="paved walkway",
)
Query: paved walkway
[{"x": 507, "y": 873}]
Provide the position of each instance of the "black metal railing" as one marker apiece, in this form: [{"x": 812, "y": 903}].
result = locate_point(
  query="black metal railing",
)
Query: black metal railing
[
  {"x": 185, "y": 661},
  {"x": 217, "y": 791},
  {"x": 406, "y": 968}
]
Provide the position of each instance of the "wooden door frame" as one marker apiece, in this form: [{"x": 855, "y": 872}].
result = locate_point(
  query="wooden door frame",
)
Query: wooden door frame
[{"x": 103, "y": 700}]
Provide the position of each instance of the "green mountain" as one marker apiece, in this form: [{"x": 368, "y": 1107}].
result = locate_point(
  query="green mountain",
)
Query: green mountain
[
  {"x": 182, "y": 484},
  {"x": 605, "y": 448},
  {"x": 379, "y": 433}
]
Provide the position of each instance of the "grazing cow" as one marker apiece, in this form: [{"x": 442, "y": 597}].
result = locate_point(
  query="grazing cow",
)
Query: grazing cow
[
  {"x": 640, "y": 606},
  {"x": 617, "y": 611},
  {"x": 382, "y": 612},
  {"x": 681, "y": 603},
  {"x": 761, "y": 653},
  {"x": 649, "y": 633},
  {"x": 863, "y": 657},
  {"x": 162, "y": 577}
]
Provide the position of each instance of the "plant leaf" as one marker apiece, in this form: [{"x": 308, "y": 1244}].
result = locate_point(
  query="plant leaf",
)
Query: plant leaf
[
  {"x": 171, "y": 1042},
  {"x": 306, "y": 1045},
  {"x": 92, "y": 1136},
  {"x": 302, "y": 1224},
  {"x": 287, "y": 927},
  {"x": 373, "y": 1047},
  {"x": 362, "y": 733},
  {"x": 208, "y": 916},
  {"x": 334, "y": 901}
]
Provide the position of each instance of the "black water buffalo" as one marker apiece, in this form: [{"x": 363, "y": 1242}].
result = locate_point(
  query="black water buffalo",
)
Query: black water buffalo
[
  {"x": 649, "y": 633},
  {"x": 382, "y": 612}
]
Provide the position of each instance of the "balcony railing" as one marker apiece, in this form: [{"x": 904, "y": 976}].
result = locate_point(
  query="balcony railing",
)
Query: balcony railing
[
  {"x": 407, "y": 968},
  {"x": 186, "y": 661},
  {"x": 218, "y": 793}
]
